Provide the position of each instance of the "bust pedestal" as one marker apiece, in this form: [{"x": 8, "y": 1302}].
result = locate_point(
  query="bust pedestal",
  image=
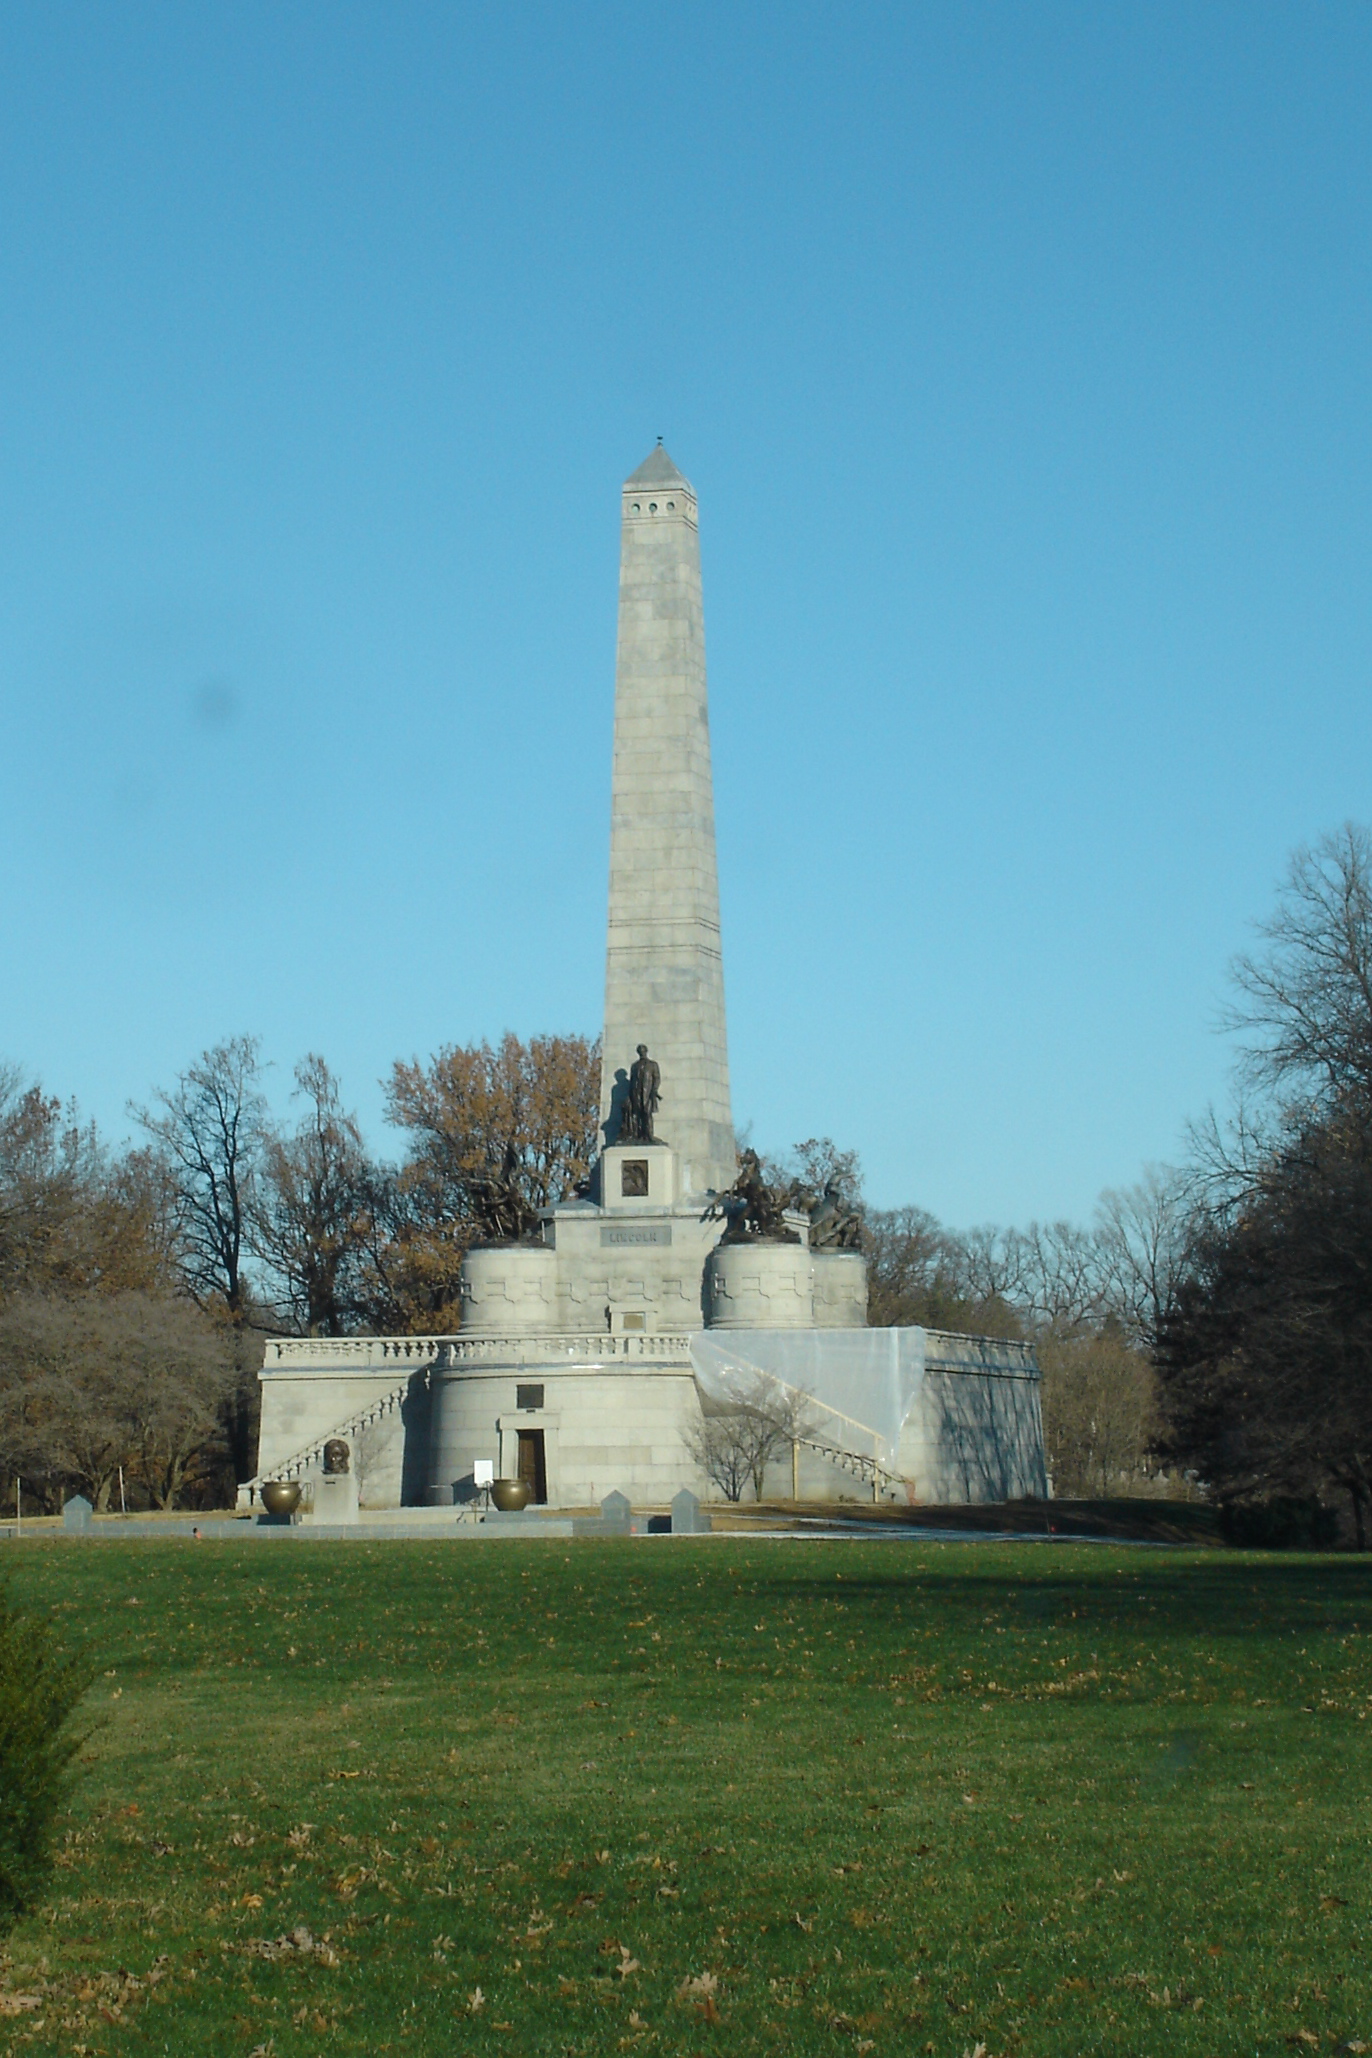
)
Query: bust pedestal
[{"x": 335, "y": 1497}]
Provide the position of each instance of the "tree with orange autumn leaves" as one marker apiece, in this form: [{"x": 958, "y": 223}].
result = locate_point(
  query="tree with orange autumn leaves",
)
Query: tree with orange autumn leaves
[{"x": 527, "y": 1111}]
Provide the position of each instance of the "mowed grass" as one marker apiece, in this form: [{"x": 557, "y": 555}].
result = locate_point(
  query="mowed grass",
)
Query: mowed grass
[{"x": 706, "y": 1795}]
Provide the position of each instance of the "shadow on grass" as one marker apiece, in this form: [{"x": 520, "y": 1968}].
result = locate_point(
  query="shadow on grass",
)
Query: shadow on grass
[{"x": 1230, "y": 1598}]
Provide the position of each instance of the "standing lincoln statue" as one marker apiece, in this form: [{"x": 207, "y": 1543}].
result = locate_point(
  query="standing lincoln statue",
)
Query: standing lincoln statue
[{"x": 641, "y": 1101}]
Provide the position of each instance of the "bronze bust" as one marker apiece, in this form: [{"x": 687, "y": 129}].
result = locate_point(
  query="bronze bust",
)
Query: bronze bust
[{"x": 337, "y": 1457}]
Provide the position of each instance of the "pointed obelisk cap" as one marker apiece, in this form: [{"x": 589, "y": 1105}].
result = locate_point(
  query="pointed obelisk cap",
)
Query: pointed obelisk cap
[
  {"x": 656, "y": 469},
  {"x": 657, "y": 491}
]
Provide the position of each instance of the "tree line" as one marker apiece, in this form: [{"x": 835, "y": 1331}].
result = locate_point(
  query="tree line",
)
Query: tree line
[
  {"x": 1215, "y": 1319},
  {"x": 137, "y": 1285}
]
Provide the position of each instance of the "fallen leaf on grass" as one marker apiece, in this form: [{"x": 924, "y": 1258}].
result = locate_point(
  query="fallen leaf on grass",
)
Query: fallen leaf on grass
[
  {"x": 700, "y": 1992},
  {"x": 627, "y": 1964},
  {"x": 297, "y": 1943},
  {"x": 1304, "y": 2036},
  {"x": 476, "y": 2001},
  {"x": 18, "y": 2004}
]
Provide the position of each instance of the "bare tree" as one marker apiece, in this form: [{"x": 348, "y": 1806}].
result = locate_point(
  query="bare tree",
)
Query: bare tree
[
  {"x": 1053, "y": 1272},
  {"x": 736, "y": 1440},
  {"x": 818, "y": 1162},
  {"x": 209, "y": 1132},
  {"x": 1144, "y": 1235},
  {"x": 314, "y": 1209},
  {"x": 98, "y": 1381},
  {"x": 1306, "y": 1001},
  {"x": 1265, "y": 1349},
  {"x": 1099, "y": 1411},
  {"x": 72, "y": 1218},
  {"x": 210, "y": 1129}
]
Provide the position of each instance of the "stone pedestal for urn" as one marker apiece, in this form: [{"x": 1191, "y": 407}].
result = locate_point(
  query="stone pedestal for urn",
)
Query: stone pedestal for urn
[
  {"x": 759, "y": 1284},
  {"x": 509, "y": 1289},
  {"x": 840, "y": 1289}
]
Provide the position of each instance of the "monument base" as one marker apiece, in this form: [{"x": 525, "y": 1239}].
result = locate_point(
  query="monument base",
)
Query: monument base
[{"x": 903, "y": 1414}]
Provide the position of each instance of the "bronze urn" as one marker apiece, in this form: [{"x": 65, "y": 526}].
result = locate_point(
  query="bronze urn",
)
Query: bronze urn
[
  {"x": 280, "y": 1496},
  {"x": 510, "y": 1495}
]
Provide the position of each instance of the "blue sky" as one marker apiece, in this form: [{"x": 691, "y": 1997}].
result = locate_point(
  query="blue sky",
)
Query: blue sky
[{"x": 1019, "y": 357}]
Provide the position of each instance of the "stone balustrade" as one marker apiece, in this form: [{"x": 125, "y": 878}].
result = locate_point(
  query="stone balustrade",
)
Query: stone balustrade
[{"x": 293, "y": 1355}]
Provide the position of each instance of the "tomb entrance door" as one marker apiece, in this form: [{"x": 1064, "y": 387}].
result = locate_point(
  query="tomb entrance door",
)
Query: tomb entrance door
[{"x": 533, "y": 1464}]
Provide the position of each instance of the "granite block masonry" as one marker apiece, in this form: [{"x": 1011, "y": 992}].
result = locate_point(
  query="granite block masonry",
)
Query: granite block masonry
[{"x": 664, "y": 969}]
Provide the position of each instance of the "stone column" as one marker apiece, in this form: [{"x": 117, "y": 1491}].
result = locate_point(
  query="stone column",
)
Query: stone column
[{"x": 664, "y": 976}]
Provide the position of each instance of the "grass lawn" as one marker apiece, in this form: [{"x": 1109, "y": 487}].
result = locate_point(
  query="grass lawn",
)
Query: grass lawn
[{"x": 690, "y": 1796}]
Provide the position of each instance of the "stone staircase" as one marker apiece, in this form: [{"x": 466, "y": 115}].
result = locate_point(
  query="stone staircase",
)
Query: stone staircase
[
  {"x": 856, "y": 1463},
  {"x": 299, "y": 1462},
  {"x": 858, "y": 1466}
]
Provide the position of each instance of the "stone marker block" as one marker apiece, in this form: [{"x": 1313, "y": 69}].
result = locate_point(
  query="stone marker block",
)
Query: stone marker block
[
  {"x": 76, "y": 1515},
  {"x": 616, "y": 1516},
  {"x": 687, "y": 1519},
  {"x": 335, "y": 1497}
]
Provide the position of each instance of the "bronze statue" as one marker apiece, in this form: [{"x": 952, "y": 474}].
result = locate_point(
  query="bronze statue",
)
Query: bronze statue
[
  {"x": 641, "y": 1101},
  {"x": 752, "y": 1208},
  {"x": 835, "y": 1224},
  {"x": 501, "y": 1212},
  {"x": 337, "y": 1458}
]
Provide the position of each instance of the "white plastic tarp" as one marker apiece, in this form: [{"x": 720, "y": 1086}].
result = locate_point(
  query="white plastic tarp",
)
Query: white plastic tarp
[{"x": 871, "y": 1376}]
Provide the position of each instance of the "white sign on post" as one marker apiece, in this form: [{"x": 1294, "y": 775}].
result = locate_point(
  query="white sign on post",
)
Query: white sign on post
[{"x": 483, "y": 1472}]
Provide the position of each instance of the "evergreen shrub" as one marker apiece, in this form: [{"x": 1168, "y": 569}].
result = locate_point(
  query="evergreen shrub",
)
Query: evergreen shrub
[{"x": 40, "y": 1688}]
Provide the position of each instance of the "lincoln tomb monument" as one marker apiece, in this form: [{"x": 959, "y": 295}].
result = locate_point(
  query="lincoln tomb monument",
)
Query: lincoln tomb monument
[{"x": 594, "y": 1339}]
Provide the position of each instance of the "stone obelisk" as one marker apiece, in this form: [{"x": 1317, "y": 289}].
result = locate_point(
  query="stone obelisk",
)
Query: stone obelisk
[{"x": 664, "y": 976}]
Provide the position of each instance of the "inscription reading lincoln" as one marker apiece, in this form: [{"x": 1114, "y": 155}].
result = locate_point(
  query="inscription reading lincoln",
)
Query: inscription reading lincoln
[{"x": 613, "y": 1235}]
